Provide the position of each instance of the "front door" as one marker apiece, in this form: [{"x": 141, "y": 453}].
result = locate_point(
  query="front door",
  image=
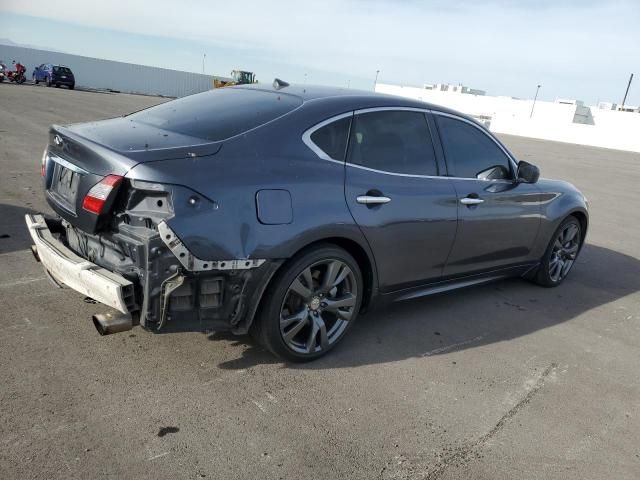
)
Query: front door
[
  {"x": 407, "y": 212},
  {"x": 498, "y": 218}
]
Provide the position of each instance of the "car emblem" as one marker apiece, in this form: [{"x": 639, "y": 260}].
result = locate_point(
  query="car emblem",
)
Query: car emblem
[{"x": 57, "y": 140}]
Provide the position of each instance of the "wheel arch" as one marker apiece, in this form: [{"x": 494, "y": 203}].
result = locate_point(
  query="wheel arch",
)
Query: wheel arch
[
  {"x": 358, "y": 251},
  {"x": 583, "y": 218}
]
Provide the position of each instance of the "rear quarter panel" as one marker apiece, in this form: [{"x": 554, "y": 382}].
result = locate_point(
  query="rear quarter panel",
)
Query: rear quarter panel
[{"x": 272, "y": 157}]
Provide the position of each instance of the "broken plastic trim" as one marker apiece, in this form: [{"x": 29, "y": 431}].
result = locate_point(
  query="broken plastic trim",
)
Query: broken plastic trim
[{"x": 193, "y": 263}]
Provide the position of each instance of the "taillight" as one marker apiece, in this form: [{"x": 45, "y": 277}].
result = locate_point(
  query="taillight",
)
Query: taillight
[
  {"x": 43, "y": 165},
  {"x": 96, "y": 197}
]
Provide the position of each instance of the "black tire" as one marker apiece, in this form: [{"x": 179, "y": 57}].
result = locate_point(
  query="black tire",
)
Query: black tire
[
  {"x": 319, "y": 262},
  {"x": 35, "y": 80},
  {"x": 48, "y": 81},
  {"x": 57, "y": 85},
  {"x": 72, "y": 86},
  {"x": 561, "y": 254}
]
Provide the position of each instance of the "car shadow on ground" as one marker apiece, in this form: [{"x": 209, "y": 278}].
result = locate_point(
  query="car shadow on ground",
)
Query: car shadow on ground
[
  {"x": 470, "y": 318},
  {"x": 14, "y": 234}
]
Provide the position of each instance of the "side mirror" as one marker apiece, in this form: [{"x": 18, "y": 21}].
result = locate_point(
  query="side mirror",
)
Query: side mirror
[{"x": 527, "y": 173}]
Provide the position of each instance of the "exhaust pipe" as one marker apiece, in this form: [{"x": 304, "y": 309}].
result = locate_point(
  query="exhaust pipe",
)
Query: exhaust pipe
[{"x": 107, "y": 323}]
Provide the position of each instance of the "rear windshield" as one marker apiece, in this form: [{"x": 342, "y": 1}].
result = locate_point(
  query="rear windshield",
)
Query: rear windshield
[
  {"x": 62, "y": 70},
  {"x": 218, "y": 114}
]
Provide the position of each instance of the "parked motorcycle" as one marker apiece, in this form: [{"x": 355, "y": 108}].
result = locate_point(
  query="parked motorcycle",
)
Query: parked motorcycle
[
  {"x": 3, "y": 71},
  {"x": 18, "y": 75}
]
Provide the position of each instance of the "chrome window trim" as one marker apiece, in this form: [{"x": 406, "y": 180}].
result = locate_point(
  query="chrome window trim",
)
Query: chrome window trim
[
  {"x": 306, "y": 138},
  {"x": 514, "y": 164},
  {"x": 387, "y": 109}
]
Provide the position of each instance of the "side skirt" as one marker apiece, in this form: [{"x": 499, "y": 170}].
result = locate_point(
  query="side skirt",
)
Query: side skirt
[{"x": 456, "y": 283}]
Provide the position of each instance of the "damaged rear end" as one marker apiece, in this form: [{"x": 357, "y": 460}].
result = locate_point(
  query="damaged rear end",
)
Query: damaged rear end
[{"x": 114, "y": 239}]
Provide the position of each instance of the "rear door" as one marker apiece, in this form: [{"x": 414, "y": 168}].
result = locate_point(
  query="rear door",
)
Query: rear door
[
  {"x": 498, "y": 218},
  {"x": 395, "y": 193}
]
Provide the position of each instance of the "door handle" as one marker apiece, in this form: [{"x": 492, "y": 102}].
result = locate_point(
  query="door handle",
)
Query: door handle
[
  {"x": 372, "y": 200},
  {"x": 471, "y": 201}
]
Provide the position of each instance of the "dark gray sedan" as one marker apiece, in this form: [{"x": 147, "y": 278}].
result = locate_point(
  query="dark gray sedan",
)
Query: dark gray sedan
[{"x": 290, "y": 210}]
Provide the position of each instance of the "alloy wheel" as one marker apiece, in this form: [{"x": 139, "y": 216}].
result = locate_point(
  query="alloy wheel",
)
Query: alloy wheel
[
  {"x": 318, "y": 305},
  {"x": 564, "y": 252}
]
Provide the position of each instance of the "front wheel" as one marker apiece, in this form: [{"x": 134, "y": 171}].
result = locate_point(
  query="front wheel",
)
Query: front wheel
[
  {"x": 310, "y": 304},
  {"x": 561, "y": 254},
  {"x": 35, "y": 80}
]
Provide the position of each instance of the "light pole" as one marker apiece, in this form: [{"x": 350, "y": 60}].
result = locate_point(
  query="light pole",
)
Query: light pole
[
  {"x": 534, "y": 101},
  {"x": 203, "y": 57},
  {"x": 375, "y": 82},
  {"x": 626, "y": 92}
]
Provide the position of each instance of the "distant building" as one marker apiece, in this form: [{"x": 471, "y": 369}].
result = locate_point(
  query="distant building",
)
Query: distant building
[
  {"x": 447, "y": 87},
  {"x": 564, "y": 120},
  {"x": 607, "y": 106}
]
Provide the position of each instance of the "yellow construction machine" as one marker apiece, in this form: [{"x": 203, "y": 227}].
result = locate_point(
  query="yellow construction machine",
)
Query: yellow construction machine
[{"x": 238, "y": 77}]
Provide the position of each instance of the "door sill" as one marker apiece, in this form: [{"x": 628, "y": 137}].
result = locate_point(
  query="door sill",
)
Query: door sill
[{"x": 459, "y": 282}]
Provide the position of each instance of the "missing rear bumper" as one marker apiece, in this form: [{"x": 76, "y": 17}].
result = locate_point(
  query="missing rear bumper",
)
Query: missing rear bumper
[{"x": 76, "y": 272}]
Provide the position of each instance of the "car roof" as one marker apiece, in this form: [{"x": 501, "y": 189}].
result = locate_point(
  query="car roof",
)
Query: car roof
[{"x": 347, "y": 98}]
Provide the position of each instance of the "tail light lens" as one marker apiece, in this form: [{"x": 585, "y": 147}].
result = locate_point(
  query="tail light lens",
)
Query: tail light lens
[{"x": 96, "y": 198}]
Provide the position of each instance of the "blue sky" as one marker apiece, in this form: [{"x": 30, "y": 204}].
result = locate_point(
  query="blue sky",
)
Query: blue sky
[{"x": 576, "y": 49}]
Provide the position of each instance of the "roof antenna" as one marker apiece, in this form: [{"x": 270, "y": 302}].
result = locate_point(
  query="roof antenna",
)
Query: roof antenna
[{"x": 278, "y": 84}]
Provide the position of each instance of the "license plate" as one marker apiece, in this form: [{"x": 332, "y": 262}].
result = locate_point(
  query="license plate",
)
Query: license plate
[
  {"x": 64, "y": 76},
  {"x": 65, "y": 185}
]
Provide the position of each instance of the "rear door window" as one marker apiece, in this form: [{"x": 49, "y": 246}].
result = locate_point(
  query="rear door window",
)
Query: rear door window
[
  {"x": 332, "y": 138},
  {"x": 218, "y": 114},
  {"x": 393, "y": 141}
]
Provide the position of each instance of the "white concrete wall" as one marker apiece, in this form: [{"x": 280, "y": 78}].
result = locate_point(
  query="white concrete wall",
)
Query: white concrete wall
[
  {"x": 106, "y": 74},
  {"x": 550, "y": 121}
]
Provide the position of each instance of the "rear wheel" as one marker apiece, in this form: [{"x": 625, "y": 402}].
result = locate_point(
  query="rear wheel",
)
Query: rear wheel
[
  {"x": 72, "y": 86},
  {"x": 561, "y": 254},
  {"x": 48, "y": 81},
  {"x": 310, "y": 304}
]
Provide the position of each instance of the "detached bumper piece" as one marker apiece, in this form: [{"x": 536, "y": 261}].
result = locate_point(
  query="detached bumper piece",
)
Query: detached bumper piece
[{"x": 77, "y": 273}]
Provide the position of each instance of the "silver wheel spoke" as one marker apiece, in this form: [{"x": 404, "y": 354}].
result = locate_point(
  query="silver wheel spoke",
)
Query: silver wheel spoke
[
  {"x": 313, "y": 335},
  {"x": 555, "y": 270},
  {"x": 296, "y": 317},
  {"x": 565, "y": 267},
  {"x": 571, "y": 252},
  {"x": 301, "y": 320},
  {"x": 333, "y": 304},
  {"x": 570, "y": 233},
  {"x": 322, "y": 329},
  {"x": 308, "y": 277},
  {"x": 300, "y": 289},
  {"x": 330, "y": 276}
]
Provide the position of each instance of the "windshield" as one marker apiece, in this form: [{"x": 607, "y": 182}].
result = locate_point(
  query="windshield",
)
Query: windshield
[
  {"x": 218, "y": 114},
  {"x": 65, "y": 70}
]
